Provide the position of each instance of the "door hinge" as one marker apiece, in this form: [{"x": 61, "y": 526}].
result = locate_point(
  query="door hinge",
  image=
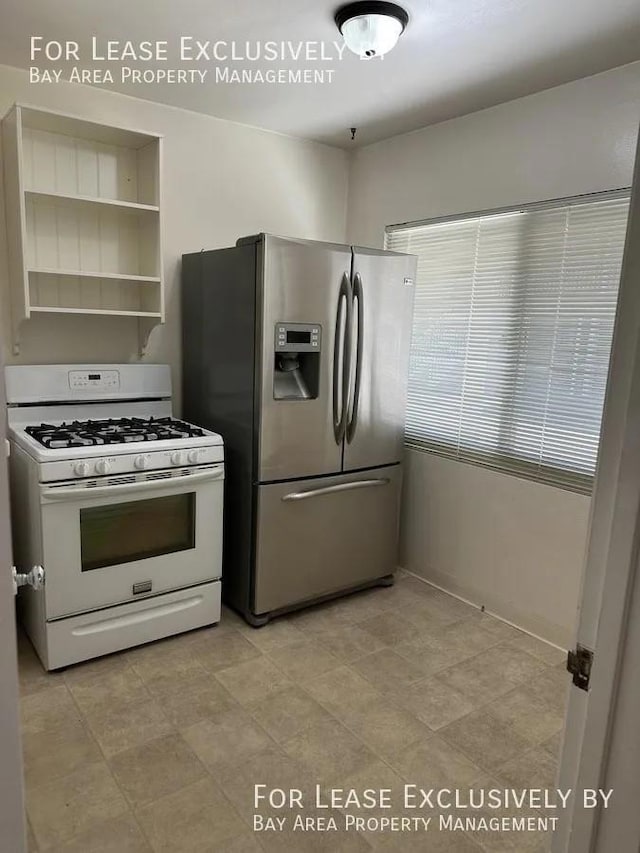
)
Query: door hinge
[{"x": 579, "y": 663}]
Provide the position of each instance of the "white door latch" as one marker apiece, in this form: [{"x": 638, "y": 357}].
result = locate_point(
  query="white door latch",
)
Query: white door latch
[{"x": 34, "y": 578}]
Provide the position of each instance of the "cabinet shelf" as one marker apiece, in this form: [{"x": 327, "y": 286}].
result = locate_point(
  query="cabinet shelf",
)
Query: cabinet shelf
[
  {"x": 121, "y": 204},
  {"x": 46, "y": 309},
  {"x": 116, "y": 276},
  {"x": 84, "y": 219}
]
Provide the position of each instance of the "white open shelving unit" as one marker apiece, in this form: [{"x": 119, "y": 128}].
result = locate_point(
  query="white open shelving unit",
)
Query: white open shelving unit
[{"x": 83, "y": 219}]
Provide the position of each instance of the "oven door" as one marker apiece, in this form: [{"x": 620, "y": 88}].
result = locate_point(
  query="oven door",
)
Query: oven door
[{"x": 115, "y": 539}]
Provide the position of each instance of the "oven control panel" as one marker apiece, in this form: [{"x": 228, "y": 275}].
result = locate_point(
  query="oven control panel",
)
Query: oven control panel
[
  {"x": 128, "y": 463},
  {"x": 94, "y": 380}
]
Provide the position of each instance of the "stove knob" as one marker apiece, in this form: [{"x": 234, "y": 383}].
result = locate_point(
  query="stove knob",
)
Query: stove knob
[
  {"x": 140, "y": 462},
  {"x": 192, "y": 456},
  {"x": 81, "y": 469},
  {"x": 177, "y": 457},
  {"x": 103, "y": 466}
]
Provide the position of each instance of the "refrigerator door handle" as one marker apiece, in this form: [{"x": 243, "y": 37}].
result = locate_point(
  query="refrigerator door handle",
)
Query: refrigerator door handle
[
  {"x": 353, "y": 408},
  {"x": 341, "y": 350},
  {"x": 340, "y": 487}
]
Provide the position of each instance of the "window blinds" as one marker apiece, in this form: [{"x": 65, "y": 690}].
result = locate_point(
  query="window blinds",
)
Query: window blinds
[{"x": 512, "y": 332}]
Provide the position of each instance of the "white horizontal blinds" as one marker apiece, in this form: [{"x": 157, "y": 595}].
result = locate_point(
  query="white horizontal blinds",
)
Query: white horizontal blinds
[{"x": 511, "y": 337}]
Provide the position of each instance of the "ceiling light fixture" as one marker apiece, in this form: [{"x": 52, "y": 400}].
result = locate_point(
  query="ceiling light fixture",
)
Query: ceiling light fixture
[{"x": 371, "y": 28}]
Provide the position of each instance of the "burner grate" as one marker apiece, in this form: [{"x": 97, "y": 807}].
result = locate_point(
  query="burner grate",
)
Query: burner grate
[{"x": 111, "y": 431}]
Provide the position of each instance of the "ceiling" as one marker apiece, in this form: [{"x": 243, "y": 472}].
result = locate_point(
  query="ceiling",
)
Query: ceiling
[{"x": 455, "y": 57}]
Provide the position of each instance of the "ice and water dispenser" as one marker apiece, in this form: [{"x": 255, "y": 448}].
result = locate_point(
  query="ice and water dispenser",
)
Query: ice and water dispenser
[{"x": 296, "y": 370}]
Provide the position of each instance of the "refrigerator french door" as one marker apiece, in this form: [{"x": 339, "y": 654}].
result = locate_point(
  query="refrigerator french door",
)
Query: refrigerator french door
[{"x": 297, "y": 353}]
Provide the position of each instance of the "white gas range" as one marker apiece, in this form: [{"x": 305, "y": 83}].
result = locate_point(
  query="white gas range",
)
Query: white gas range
[{"x": 118, "y": 501}]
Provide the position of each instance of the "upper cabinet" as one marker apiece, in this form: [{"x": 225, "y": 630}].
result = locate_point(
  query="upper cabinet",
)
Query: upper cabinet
[{"x": 83, "y": 209}]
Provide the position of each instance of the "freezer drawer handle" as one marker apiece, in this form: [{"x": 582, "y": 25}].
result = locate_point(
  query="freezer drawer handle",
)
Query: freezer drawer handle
[{"x": 341, "y": 487}]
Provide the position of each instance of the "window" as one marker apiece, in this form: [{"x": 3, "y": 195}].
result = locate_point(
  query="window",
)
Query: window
[{"x": 512, "y": 331}]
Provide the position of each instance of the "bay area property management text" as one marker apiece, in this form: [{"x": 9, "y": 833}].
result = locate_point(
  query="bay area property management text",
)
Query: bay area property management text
[{"x": 103, "y": 61}]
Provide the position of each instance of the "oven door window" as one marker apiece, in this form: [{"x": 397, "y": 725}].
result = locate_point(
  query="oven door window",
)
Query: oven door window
[{"x": 136, "y": 530}]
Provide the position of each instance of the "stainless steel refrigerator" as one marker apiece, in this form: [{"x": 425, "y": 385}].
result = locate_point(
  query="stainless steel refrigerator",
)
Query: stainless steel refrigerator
[{"x": 297, "y": 353}]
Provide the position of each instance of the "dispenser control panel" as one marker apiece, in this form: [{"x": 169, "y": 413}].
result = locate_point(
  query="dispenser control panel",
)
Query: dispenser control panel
[{"x": 298, "y": 337}]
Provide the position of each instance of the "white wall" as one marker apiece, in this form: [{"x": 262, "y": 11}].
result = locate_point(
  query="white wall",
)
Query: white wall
[
  {"x": 221, "y": 181},
  {"x": 508, "y": 543}
]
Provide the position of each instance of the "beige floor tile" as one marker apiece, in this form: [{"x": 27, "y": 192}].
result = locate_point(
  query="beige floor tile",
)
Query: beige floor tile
[
  {"x": 425, "y": 618},
  {"x": 484, "y": 740},
  {"x": 288, "y": 712},
  {"x": 402, "y": 592},
  {"x": 273, "y": 768},
  {"x": 280, "y": 632},
  {"x": 228, "y": 650},
  {"x": 74, "y": 804},
  {"x": 173, "y": 673},
  {"x": 33, "y": 676},
  {"x": 501, "y": 630},
  {"x": 242, "y": 844},
  {"x": 376, "y": 775},
  {"x": 32, "y": 844},
  {"x": 148, "y": 772},
  {"x": 57, "y": 751},
  {"x": 328, "y": 751},
  {"x": 387, "y": 670},
  {"x": 310, "y": 620},
  {"x": 121, "y": 686},
  {"x": 511, "y": 663},
  {"x": 434, "y": 763},
  {"x": 348, "y": 610},
  {"x": 364, "y": 605},
  {"x": 534, "y": 769},
  {"x": 529, "y": 716},
  {"x": 196, "y": 819},
  {"x": 551, "y": 687},
  {"x": 253, "y": 680},
  {"x": 432, "y": 701},
  {"x": 48, "y": 709},
  {"x": 389, "y": 629},
  {"x": 117, "y": 727},
  {"x": 476, "y": 679},
  {"x": 466, "y": 636},
  {"x": 554, "y": 744},
  {"x": 430, "y": 655},
  {"x": 548, "y": 654},
  {"x": 342, "y": 688},
  {"x": 302, "y": 661},
  {"x": 122, "y": 835},
  {"x": 201, "y": 698},
  {"x": 348, "y": 642},
  {"x": 96, "y": 669},
  {"x": 391, "y": 699},
  {"x": 384, "y": 727},
  {"x": 226, "y": 739}
]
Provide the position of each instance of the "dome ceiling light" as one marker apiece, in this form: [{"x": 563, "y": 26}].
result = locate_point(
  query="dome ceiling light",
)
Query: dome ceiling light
[{"x": 371, "y": 28}]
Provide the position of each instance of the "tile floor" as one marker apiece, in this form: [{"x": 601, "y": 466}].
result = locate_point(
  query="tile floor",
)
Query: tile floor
[{"x": 158, "y": 748}]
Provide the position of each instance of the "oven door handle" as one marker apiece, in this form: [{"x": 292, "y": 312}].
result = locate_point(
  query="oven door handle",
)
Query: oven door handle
[{"x": 86, "y": 493}]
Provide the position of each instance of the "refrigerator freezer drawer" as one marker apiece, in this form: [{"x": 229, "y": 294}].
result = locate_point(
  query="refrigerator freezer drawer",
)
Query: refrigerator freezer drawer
[{"x": 320, "y": 536}]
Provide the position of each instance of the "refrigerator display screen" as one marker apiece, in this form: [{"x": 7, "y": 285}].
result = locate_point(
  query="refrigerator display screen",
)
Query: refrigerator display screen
[{"x": 294, "y": 337}]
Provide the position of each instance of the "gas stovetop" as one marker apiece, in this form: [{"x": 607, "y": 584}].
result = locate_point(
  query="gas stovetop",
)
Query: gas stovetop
[{"x": 109, "y": 431}]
